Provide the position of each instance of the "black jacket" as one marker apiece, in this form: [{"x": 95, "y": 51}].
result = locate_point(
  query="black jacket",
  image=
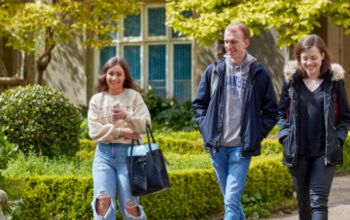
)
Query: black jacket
[
  {"x": 258, "y": 114},
  {"x": 336, "y": 128}
]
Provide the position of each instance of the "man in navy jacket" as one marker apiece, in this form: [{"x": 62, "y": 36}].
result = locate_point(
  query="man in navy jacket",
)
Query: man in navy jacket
[{"x": 235, "y": 108}]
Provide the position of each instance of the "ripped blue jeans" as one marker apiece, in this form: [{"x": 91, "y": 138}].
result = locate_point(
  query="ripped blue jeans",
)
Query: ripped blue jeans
[{"x": 110, "y": 175}]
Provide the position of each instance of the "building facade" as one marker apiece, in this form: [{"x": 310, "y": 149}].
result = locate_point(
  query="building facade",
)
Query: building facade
[{"x": 159, "y": 58}]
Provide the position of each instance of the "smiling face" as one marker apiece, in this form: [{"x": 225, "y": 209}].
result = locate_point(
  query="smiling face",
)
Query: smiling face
[
  {"x": 313, "y": 57},
  {"x": 235, "y": 44},
  {"x": 115, "y": 78},
  {"x": 311, "y": 61}
]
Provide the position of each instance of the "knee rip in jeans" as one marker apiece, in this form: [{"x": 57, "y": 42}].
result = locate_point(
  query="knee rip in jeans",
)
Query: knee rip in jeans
[
  {"x": 134, "y": 211},
  {"x": 103, "y": 202}
]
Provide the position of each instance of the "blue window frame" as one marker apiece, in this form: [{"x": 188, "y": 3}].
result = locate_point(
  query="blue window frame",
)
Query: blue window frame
[
  {"x": 156, "y": 22},
  {"x": 105, "y": 54},
  {"x": 132, "y": 55},
  {"x": 132, "y": 26},
  {"x": 182, "y": 72},
  {"x": 156, "y": 69}
]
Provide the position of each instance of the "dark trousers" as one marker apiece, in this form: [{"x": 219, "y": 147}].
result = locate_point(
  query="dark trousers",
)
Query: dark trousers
[{"x": 312, "y": 181}]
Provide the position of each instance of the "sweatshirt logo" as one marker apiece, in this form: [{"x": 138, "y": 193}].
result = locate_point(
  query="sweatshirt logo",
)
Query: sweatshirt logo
[{"x": 235, "y": 85}]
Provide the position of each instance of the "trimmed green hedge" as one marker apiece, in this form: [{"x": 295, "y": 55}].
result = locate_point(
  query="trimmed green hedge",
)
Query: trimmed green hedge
[
  {"x": 186, "y": 143},
  {"x": 194, "y": 194}
]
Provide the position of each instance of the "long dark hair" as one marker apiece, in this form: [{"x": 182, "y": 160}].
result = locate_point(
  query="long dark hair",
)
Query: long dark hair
[
  {"x": 128, "y": 82},
  {"x": 306, "y": 43}
]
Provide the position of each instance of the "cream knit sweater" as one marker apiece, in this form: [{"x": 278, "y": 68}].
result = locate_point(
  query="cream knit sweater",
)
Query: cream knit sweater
[{"x": 103, "y": 129}]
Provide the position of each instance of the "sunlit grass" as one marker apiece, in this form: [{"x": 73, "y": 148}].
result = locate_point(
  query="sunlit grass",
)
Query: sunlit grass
[{"x": 31, "y": 165}]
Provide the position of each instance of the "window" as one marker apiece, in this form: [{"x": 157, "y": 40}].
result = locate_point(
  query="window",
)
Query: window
[
  {"x": 182, "y": 71},
  {"x": 105, "y": 54},
  {"x": 132, "y": 56},
  {"x": 157, "y": 56},
  {"x": 156, "y": 69},
  {"x": 132, "y": 26},
  {"x": 156, "y": 22}
]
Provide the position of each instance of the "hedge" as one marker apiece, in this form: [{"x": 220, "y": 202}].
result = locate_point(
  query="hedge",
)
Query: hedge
[
  {"x": 194, "y": 194},
  {"x": 186, "y": 143}
]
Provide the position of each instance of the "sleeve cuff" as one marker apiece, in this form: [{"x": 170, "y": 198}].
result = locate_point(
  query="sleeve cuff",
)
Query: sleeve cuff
[
  {"x": 128, "y": 117},
  {"x": 116, "y": 133}
]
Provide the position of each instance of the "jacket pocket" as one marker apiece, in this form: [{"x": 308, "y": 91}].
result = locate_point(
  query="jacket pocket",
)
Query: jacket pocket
[{"x": 288, "y": 150}]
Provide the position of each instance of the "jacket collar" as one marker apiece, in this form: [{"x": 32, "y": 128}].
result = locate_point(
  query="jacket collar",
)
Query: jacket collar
[
  {"x": 254, "y": 67},
  {"x": 290, "y": 69}
]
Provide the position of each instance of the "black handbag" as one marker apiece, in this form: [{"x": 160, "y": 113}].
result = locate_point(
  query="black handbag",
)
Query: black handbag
[{"x": 146, "y": 167}]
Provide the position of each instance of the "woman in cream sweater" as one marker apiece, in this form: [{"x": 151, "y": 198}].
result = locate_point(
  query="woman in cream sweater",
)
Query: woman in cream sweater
[{"x": 117, "y": 115}]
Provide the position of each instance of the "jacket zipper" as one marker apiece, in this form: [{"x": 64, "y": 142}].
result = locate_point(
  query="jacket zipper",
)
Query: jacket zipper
[
  {"x": 247, "y": 95},
  {"x": 327, "y": 100},
  {"x": 223, "y": 96}
]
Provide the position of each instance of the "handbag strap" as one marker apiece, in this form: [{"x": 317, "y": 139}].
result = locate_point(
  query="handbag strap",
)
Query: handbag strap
[
  {"x": 149, "y": 134},
  {"x": 132, "y": 146}
]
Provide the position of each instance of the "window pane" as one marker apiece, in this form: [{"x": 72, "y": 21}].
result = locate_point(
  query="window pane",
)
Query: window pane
[
  {"x": 132, "y": 26},
  {"x": 105, "y": 54},
  {"x": 132, "y": 56},
  {"x": 156, "y": 22},
  {"x": 182, "y": 71},
  {"x": 156, "y": 69}
]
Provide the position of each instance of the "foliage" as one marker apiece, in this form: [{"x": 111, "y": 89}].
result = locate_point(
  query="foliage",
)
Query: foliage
[
  {"x": 346, "y": 155},
  {"x": 267, "y": 178},
  {"x": 34, "y": 165},
  {"x": 40, "y": 119},
  {"x": 7, "y": 151},
  {"x": 178, "y": 118},
  {"x": 268, "y": 185},
  {"x": 193, "y": 194},
  {"x": 84, "y": 130},
  {"x": 292, "y": 19},
  {"x": 36, "y": 27},
  {"x": 181, "y": 156},
  {"x": 168, "y": 114}
]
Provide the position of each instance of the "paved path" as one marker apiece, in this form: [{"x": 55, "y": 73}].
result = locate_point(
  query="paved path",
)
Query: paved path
[{"x": 339, "y": 201}]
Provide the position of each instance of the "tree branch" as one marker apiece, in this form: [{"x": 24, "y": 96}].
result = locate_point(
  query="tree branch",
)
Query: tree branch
[{"x": 11, "y": 81}]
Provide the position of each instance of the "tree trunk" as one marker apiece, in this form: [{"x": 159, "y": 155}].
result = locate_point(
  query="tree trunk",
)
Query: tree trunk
[
  {"x": 41, "y": 66},
  {"x": 45, "y": 57},
  {"x": 3, "y": 70}
]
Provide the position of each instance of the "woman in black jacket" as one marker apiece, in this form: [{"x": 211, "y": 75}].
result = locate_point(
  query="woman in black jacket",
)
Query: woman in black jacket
[{"x": 314, "y": 119}]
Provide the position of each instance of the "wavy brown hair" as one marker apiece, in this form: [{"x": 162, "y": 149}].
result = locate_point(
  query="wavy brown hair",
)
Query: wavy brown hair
[
  {"x": 128, "y": 82},
  {"x": 306, "y": 43}
]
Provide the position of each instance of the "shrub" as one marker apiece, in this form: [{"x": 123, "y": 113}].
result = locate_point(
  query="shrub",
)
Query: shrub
[
  {"x": 40, "y": 119},
  {"x": 168, "y": 114},
  {"x": 194, "y": 194},
  {"x": 84, "y": 130},
  {"x": 178, "y": 118},
  {"x": 7, "y": 151}
]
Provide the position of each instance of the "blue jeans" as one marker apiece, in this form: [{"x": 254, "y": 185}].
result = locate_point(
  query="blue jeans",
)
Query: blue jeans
[
  {"x": 231, "y": 171},
  {"x": 110, "y": 175}
]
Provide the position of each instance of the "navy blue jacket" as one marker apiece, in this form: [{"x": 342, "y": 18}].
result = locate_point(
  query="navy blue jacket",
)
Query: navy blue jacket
[{"x": 259, "y": 109}]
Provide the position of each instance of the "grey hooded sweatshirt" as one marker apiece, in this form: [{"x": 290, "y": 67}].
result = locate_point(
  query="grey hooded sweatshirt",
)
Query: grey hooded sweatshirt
[{"x": 234, "y": 86}]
